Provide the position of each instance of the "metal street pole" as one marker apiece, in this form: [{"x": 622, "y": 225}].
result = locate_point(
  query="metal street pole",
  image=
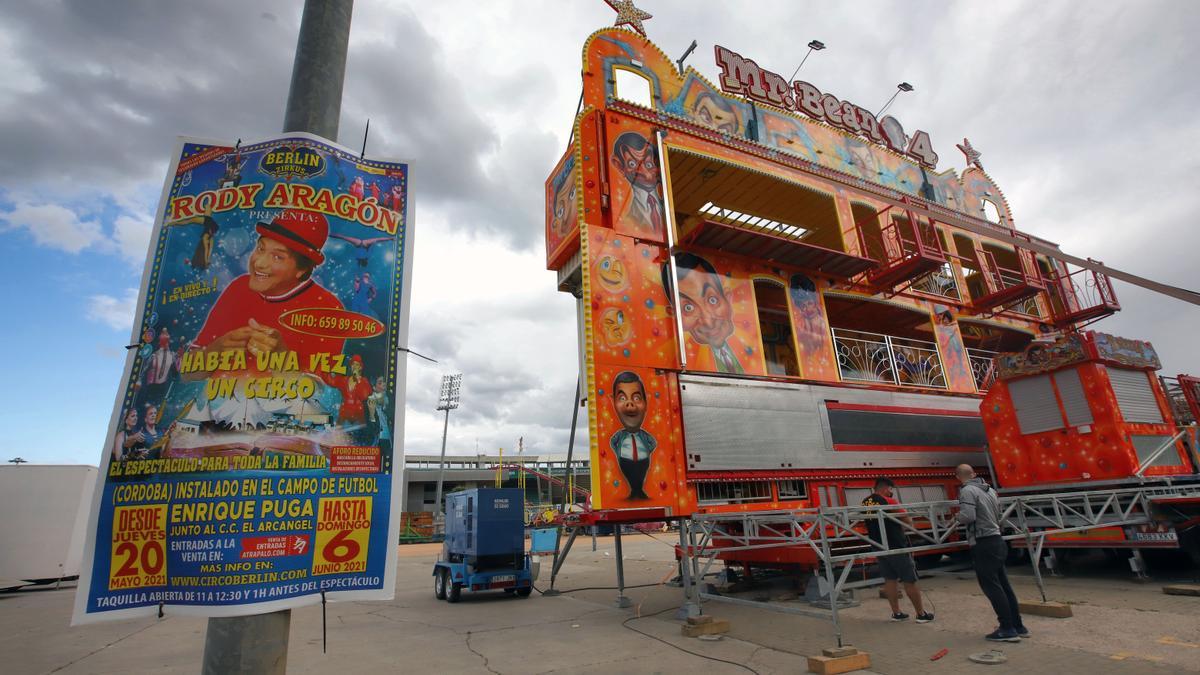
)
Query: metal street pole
[
  {"x": 447, "y": 400},
  {"x": 315, "y": 98},
  {"x": 442, "y": 463},
  {"x": 259, "y": 643},
  {"x": 569, "y": 474}
]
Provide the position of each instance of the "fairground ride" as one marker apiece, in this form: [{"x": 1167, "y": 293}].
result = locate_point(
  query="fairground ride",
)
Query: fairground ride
[{"x": 780, "y": 299}]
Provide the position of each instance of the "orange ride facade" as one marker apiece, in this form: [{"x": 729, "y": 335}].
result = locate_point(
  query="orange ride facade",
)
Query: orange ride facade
[{"x": 775, "y": 311}]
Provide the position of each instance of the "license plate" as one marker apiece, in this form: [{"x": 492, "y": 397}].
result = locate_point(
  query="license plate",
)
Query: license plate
[{"x": 504, "y": 580}]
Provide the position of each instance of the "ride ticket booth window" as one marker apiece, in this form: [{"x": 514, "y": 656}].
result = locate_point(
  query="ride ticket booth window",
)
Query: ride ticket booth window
[{"x": 774, "y": 322}]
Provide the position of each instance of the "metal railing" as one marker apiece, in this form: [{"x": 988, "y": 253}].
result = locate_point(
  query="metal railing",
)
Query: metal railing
[
  {"x": 939, "y": 282},
  {"x": 1000, "y": 278},
  {"x": 874, "y": 357},
  {"x": 899, "y": 237},
  {"x": 982, "y": 367},
  {"x": 1028, "y": 307},
  {"x": 1079, "y": 293},
  {"x": 1176, "y": 396}
]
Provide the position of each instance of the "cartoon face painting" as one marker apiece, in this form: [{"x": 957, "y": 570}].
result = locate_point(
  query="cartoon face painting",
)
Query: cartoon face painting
[
  {"x": 865, "y": 163},
  {"x": 631, "y": 444},
  {"x": 715, "y": 111},
  {"x": 706, "y": 310},
  {"x": 616, "y": 328},
  {"x": 564, "y": 214},
  {"x": 804, "y": 298},
  {"x": 629, "y": 398},
  {"x": 634, "y": 158},
  {"x": 707, "y": 314},
  {"x": 612, "y": 274}
]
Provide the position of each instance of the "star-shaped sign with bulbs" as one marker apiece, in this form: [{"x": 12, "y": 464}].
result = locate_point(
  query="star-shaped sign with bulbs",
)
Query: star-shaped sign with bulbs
[
  {"x": 971, "y": 154},
  {"x": 629, "y": 15}
]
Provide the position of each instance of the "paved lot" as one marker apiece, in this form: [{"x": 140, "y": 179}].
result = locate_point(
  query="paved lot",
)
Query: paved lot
[{"x": 1119, "y": 627}]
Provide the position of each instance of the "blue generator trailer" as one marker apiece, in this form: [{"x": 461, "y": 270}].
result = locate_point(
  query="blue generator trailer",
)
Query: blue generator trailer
[{"x": 484, "y": 548}]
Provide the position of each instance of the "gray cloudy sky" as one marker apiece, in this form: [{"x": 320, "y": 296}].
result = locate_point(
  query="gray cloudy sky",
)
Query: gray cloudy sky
[{"x": 1085, "y": 113}]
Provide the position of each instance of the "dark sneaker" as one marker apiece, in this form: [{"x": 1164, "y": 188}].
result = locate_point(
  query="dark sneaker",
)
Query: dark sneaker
[
  {"x": 1001, "y": 635},
  {"x": 899, "y": 616},
  {"x": 925, "y": 618},
  {"x": 1022, "y": 631}
]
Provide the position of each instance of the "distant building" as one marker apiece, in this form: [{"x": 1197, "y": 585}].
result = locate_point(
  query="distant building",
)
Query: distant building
[{"x": 544, "y": 478}]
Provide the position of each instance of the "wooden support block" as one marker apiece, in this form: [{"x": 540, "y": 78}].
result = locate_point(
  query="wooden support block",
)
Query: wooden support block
[
  {"x": 832, "y": 665},
  {"x": 1056, "y": 610},
  {"x": 714, "y": 627},
  {"x": 698, "y": 620},
  {"x": 838, "y": 652},
  {"x": 1182, "y": 589}
]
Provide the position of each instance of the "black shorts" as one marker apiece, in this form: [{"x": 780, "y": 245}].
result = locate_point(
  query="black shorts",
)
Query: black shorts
[{"x": 898, "y": 566}]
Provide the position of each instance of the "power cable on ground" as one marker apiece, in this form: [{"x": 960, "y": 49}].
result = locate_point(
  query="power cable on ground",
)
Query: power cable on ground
[{"x": 625, "y": 624}]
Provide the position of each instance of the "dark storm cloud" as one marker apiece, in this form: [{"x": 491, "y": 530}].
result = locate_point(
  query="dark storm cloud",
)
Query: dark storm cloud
[
  {"x": 112, "y": 84},
  {"x": 420, "y": 110},
  {"x": 117, "y": 81}
]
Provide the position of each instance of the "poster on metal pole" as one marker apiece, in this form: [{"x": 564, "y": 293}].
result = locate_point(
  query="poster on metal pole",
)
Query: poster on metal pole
[{"x": 248, "y": 465}]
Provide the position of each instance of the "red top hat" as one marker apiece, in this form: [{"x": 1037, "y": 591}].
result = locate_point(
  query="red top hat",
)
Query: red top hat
[{"x": 304, "y": 232}]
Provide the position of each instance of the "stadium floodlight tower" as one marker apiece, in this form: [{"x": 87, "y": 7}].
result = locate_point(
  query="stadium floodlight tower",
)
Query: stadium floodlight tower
[{"x": 447, "y": 400}]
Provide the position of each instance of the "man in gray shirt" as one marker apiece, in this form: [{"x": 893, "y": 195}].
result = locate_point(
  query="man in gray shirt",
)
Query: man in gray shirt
[{"x": 979, "y": 510}]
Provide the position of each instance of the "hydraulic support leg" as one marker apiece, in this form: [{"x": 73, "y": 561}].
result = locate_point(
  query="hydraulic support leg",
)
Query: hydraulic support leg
[
  {"x": 691, "y": 593},
  {"x": 1053, "y": 563},
  {"x": 1138, "y": 564},
  {"x": 622, "y": 601},
  {"x": 559, "y": 558}
]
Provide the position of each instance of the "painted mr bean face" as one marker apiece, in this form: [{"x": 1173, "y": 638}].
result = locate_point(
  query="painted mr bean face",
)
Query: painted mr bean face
[
  {"x": 709, "y": 113},
  {"x": 707, "y": 314},
  {"x": 564, "y": 209},
  {"x": 638, "y": 166},
  {"x": 629, "y": 400}
]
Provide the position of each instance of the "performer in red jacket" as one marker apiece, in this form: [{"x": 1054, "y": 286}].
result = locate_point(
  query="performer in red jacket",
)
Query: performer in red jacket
[
  {"x": 355, "y": 390},
  {"x": 279, "y": 280}
]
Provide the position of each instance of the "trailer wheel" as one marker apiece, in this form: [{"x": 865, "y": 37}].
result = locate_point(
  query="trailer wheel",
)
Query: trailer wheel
[
  {"x": 524, "y": 592},
  {"x": 455, "y": 592},
  {"x": 439, "y": 583}
]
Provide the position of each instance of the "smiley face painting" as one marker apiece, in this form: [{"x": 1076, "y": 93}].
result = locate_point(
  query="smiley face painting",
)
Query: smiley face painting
[
  {"x": 616, "y": 328},
  {"x": 629, "y": 308},
  {"x": 611, "y": 274}
]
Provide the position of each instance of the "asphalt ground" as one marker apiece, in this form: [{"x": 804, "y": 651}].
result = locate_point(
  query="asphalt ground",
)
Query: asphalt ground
[{"x": 1120, "y": 626}]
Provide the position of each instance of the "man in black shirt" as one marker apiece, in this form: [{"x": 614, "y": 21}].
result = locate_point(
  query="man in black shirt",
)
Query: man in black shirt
[{"x": 897, "y": 566}]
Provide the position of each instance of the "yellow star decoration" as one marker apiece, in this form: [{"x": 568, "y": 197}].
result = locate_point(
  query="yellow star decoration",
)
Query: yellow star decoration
[{"x": 629, "y": 15}]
